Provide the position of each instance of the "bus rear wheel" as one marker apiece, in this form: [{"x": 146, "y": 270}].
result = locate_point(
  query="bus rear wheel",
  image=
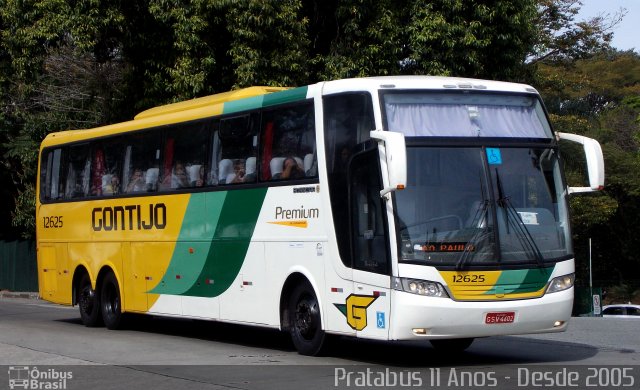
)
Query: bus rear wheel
[
  {"x": 88, "y": 302},
  {"x": 305, "y": 322},
  {"x": 451, "y": 345},
  {"x": 110, "y": 302}
]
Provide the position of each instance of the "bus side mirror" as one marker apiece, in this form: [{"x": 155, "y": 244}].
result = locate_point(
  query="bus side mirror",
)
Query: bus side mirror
[
  {"x": 595, "y": 161},
  {"x": 396, "y": 159}
]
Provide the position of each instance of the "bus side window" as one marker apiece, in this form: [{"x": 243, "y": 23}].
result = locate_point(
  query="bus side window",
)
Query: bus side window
[
  {"x": 50, "y": 175},
  {"x": 235, "y": 147},
  {"x": 347, "y": 118},
  {"x": 78, "y": 174},
  {"x": 369, "y": 243},
  {"x": 141, "y": 162},
  {"x": 106, "y": 168},
  {"x": 288, "y": 143},
  {"x": 185, "y": 154}
]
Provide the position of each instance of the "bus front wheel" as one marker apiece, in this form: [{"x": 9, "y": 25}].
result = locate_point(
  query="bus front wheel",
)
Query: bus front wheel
[
  {"x": 110, "y": 302},
  {"x": 88, "y": 302},
  {"x": 304, "y": 321}
]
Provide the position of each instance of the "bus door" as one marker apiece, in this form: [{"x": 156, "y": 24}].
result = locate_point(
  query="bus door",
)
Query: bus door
[{"x": 368, "y": 308}]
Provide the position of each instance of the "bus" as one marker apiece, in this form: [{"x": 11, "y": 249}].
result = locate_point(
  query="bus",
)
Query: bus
[{"x": 387, "y": 208}]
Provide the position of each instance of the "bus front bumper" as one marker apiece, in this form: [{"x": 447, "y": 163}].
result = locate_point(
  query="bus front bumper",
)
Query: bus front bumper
[{"x": 415, "y": 316}]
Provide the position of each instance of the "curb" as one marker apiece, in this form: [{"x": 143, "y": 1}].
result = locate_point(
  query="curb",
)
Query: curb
[{"x": 16, "y": 294}]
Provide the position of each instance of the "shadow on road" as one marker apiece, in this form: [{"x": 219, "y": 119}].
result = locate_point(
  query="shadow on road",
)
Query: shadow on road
[{"x": 484, "y": 351}]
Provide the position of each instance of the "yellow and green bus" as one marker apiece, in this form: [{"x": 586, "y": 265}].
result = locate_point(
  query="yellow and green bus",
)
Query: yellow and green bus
[{"x": 389, "y": 208}]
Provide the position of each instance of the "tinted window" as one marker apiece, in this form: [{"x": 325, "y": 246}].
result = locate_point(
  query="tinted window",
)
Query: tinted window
[
  {"x": 78, "y": 172},
  {"x": 234, "y": 151},
  {"x": 369, "y": 242},
  {"x": 614, "y": 311},
  {"x": 51, "y": 184},
  {"x": 633, "y": 311},
  {"x": 288, "y": 143},
  {"x": 348, "y": 119},
  {"x": 185, "y": 154},
  {"x": 141, "y": 162},
  {"x": 106, "y": 171}
]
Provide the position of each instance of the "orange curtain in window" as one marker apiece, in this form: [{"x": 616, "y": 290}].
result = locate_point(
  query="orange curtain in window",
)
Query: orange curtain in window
[
  {"x": 168, "y": 157},
  {"x": 98, "y": 171}
]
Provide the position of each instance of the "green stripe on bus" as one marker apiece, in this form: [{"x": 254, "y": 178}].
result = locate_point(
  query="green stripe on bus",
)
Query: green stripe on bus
[
  {"x": 251, "y": 103},
  {"x": 270, "y": 99},
  {"x": 521, "y": 281},
  {"x": 230, "y": 242},
  {"x": 287, "y": 96},
  {"x": 186, "y": 262},
  {"x": 535, "y": 279}
]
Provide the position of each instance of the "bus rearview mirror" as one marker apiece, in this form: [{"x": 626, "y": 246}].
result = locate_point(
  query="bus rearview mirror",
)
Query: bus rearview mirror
[
  {"x": 395, "y": 156},
  {"x": 595, "y": 161}
]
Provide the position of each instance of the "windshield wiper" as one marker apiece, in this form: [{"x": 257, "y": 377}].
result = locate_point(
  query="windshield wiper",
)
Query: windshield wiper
[
  {"x": 524, "y": 236},
  {"x": 479, "y": 235}
]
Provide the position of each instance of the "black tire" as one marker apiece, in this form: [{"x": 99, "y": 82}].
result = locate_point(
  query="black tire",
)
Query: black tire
[
  {"x": 110, "y": 302},
  {"x": 305, "y": 323},
  {"x": 451, "y": 345},
  {"x": 88, "y": 301}
]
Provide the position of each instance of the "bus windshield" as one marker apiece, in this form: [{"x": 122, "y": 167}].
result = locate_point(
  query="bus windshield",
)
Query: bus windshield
[{"x": 479, "y": 206}]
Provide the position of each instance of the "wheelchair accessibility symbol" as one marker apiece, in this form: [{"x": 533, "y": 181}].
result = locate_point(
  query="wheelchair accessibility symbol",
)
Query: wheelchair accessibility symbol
[
  {"x": 380, "y": 322},
  {"x": 494, "y": 157}
]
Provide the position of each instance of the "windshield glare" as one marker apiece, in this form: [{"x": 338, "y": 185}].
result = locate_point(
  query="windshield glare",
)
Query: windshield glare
[{"x": 482, "y": 205}]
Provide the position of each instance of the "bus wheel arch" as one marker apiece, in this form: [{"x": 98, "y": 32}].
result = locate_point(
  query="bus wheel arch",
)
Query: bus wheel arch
[
  {"x": 86, "y": 297},
  {"x": 301, "y": 315}
]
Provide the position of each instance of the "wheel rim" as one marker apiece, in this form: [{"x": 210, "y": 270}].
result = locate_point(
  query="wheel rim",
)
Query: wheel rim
[
  {"x": 306, "y": 318},
  {"x": 87, "y": 298}
]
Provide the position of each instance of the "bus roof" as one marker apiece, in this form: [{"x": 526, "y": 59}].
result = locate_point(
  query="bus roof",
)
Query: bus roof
[
  {"x": 256, "y": 97},
  {"x": 435, "y": 83},
  {"x": 208, "y": 101},
  {"x": 221, "y": 103}
]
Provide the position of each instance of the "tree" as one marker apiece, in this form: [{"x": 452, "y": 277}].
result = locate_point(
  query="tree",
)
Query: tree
[
  {"x": 52, "y": 80},
  {"x": 598, "y": 97},
  {"x": 81, "y": 63},
  {"x": 561, "y": 38}
]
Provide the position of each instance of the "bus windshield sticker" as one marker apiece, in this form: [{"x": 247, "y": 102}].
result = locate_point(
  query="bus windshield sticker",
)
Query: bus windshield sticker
[
  {"x": 493, "y": 156},
  {"x": 528, "y": 218},
  {"x": 445, "y": 247}
]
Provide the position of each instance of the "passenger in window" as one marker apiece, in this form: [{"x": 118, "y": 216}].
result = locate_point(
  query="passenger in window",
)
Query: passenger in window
[
  {"x": 137, "y": 183},
  {"x": 112, "y": 187},
  {"x": 239, "y": 172},
  {"x": 196, "y": 175},
  {"x": 179, "y": 177},
  {"x": 291, "y": 169}
]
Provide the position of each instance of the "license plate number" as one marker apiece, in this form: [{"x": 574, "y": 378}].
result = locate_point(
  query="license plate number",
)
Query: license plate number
[{"x": 500, "y": 318}]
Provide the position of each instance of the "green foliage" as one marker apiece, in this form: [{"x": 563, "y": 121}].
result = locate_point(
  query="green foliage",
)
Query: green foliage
[
  {"x": 83, "y": 63},
  {"x": 470, "y": 38},
  {"x": 599, "y": 97},
  {"x": 269, "y": 45},
  {"x": 561, "y": 38},
  {"x": 366, "y": 39}
]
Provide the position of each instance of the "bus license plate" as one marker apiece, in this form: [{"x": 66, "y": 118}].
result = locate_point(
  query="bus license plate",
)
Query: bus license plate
[{"x": 500, "y": 318}]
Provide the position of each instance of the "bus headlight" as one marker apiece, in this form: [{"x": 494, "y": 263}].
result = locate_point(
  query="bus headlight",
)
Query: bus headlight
[
  {"x": 561, "y": 283},
  {"x": 420, "y": 287}
]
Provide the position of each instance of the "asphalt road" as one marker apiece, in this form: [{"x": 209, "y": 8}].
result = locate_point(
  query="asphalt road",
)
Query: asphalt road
[{"x": 50, "y": 341}]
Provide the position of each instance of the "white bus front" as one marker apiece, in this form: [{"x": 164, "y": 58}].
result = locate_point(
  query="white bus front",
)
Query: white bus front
[{"x": 451, "y": 219}]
